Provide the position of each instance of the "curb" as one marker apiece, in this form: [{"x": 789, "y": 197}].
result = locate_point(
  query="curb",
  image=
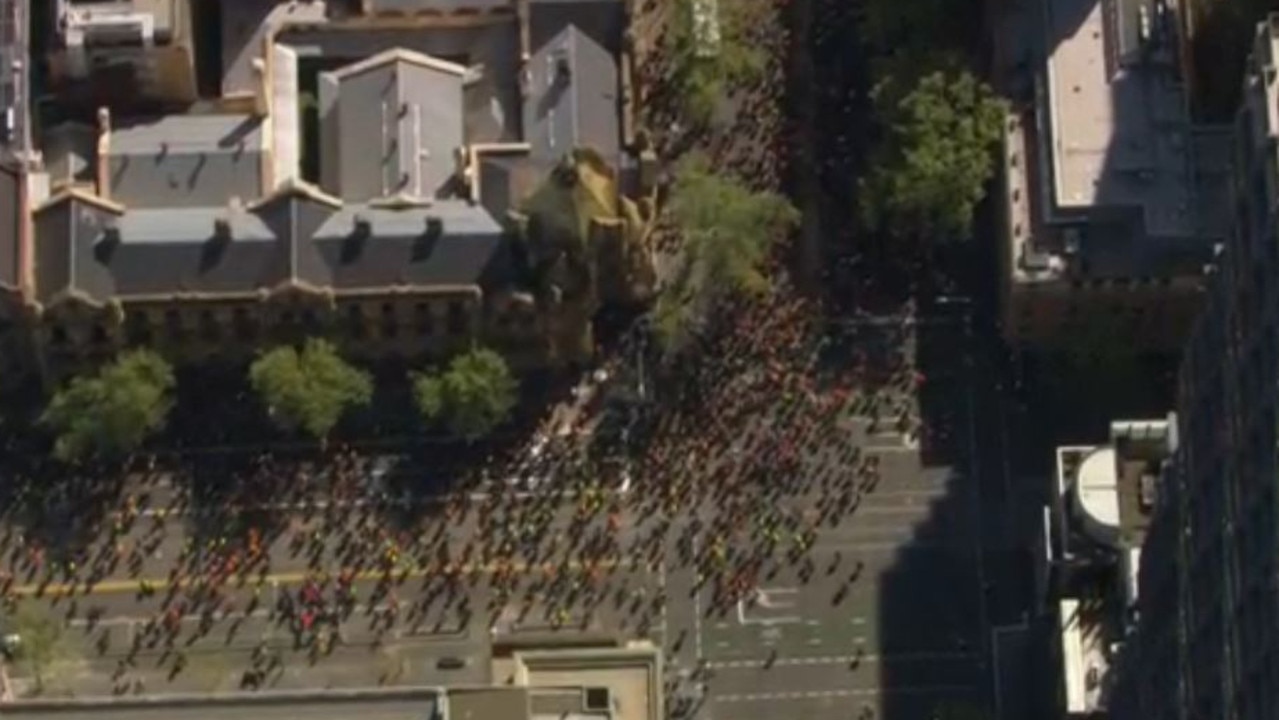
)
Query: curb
[{"x": 177, "y": 700}]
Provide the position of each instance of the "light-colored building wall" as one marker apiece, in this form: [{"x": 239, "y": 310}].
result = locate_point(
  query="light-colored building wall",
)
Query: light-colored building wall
[{"x": 1100, "y": 197}]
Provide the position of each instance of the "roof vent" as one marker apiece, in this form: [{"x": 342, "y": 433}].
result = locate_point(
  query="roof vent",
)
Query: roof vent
[
  {"x": 363, "y": 227},
  {"x": 434, "y": 227},
  {"x": 110, "y": 234},
  {"x": 222, "y": 228},
  {"x": 597, "y": 699}
]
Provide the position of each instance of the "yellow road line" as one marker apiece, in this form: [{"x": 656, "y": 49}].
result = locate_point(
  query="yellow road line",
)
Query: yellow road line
[{"x": 111, "y": 587}]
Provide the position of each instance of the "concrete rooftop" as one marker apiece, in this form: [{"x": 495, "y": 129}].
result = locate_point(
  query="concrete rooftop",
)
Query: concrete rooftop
[{"x": 1119, "y": 130}]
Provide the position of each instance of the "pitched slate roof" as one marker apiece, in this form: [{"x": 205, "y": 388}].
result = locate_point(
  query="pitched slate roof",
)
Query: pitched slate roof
[
  {"x": 362, "y": 247},
  {"x": 573, "y": 97},
  {"x": 185, "y": 160},
  {"x": 393, "y": 123},
  {"x": 92, "y": 247}
]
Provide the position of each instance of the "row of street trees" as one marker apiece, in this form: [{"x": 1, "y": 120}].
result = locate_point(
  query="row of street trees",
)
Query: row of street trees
[
  {"x": 729, "y": 230},
  {"x": 305, "y": 390}
]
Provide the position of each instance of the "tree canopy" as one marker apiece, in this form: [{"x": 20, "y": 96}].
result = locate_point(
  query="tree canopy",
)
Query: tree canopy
[
  {"x": 310, "y": 388},
  {"x": 42, "y": 642},
  {"x": 109, "y": 414},
  {"x": 472, "y": 397},
  {"x": 940, "y": 151},
  {"x": 709, "y": 46},
  {"x": 729, "y": 233}
]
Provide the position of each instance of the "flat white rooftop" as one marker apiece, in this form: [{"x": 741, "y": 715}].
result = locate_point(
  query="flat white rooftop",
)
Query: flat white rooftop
[{"x": 1118, "y": 130}]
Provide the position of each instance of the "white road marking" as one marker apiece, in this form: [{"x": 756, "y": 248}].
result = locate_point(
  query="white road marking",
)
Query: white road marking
[
  {"x": 843, "y": 660},
  {"x": 995, "y": 634},
  {"x": 767, "y": 622},
  {"x": 864, "y": 692},
  {"x": 697, "y": 612}
]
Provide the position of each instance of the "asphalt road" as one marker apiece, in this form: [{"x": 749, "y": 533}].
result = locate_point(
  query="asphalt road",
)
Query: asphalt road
[
  {"x": 338, "y": 709},
  {"x": 911, "y": 631}
]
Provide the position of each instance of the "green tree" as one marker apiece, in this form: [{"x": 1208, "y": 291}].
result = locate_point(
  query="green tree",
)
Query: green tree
[
  {"x": 729, "y": 233},
  {"x": 940, "y": 151},
  {"x": 41, "y": 642},
  {"x": 309, "y": 389},
  {"x": 111, "y": 413},
  {"x": 472, "y": 397},
  {"x": 710, "y": 48}
]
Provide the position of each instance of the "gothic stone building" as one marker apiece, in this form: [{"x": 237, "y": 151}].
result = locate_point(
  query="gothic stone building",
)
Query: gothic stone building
[{"x": 468, "y": 179}]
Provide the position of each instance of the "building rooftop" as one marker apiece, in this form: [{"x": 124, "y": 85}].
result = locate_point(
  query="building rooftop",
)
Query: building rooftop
[
  {"x": 82, "y": 13},
  {"x": 488, "y": 703},
  {"x": 393, "y": 123},
  {"x": 1109, "y": 491},
  {"x": 185, "y": 160},
  {"x": 1119, "y": 121},
  {"x": 1083, "y": 633},
  {"x": 90, "y": 247},
  {"x": 425, "y": 143},
  {"x": 15, "y": 63}
]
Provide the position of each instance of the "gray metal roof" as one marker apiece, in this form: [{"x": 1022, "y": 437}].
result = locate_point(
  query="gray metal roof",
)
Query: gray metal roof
[
  {"x": 187, "y": 225},
  {"x": 394, "y": 127},
  {"x": 144, "y": 252},
  {"x": 603, "y": 20},
  {"x": 186, "y": 161},
  {"x": 186, "y": 134},
  {"x": 573, "y": 97},
  {"x": 492, "y": 106},
  {"x": 401, "y": 248}
]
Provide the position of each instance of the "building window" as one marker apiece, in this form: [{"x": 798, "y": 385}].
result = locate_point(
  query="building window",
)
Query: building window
[
  {"x": 355, "y": 320},
  {"x": 209, "y": 327},
  {"x": 457, "y": 320},
  {"x": 244, "y": 326},
  {"x": 311, "y": 321},
  {"x": 389, "y": 327},
  {"x": 173, "y": 323},
  {"x": 138, "y": 328},
  {"x": 425, "y": 320}
]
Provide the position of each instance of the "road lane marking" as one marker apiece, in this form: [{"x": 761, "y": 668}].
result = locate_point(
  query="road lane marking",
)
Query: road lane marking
[
  {"x": 115, "y": 587},
  {"x": 843, "y": 660},
  {"x": 865, "y": 692}
]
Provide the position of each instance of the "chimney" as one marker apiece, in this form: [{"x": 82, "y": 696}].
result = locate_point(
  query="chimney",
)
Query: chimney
[
  {"x": 363, "y": 228},
  {"x": 102, "y": 163},
  {"x": 222, "y": 228},
  {"x": 260, "y": 86}
]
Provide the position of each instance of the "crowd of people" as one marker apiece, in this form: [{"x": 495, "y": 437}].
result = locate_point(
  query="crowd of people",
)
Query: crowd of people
[
  {"x": 740, "y": 469},
  {"x": 745, "y": 452}
]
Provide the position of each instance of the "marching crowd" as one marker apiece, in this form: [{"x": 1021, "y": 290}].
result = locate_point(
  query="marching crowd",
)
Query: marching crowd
[{"x": 744, "y": 458}]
